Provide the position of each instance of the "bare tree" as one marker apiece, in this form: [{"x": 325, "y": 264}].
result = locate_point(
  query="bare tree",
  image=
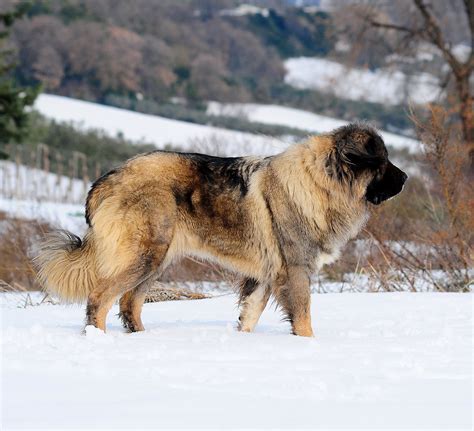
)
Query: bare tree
[{"x": 408, "y": 24}]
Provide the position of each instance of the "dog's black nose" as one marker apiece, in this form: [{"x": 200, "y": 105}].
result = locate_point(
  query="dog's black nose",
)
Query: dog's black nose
[{"x": 404, "y": 177}]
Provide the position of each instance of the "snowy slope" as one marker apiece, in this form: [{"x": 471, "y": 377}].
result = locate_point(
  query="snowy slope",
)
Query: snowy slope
[
  {"x": 300, "y": 119},
  {"x": 245, "y": 9},
  {"x": 378, "y": 361},
  {"x": 382, "y": 86},
  {"x": 162, "y": 131},
  {"x": 26, "y": 183},
  {"x": 33, "y": 194},
  {"x": 58, "y": 215},
  {"x": 151, "y": 128}
]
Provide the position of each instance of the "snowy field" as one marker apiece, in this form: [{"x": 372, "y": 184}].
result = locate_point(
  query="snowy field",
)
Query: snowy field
[
  {"x": 162, "y": 131},
  {"x": 299, "y": 119},
  {"x": 64, "y": 216},
  {"x": 378, "y": 361},
  {"x": 152, "y": 128},
  {"x": 22, "y": 182},
  {"x": 380, "y": 86},
  {"x": 33, "y": 194}
]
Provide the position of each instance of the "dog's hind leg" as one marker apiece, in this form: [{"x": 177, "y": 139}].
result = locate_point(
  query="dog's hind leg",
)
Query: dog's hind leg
[
  {"x": 100, "y": 301},
  {"x": 106, "y": 292},
  {"x": 294, "y": 297},
  {"x": 131, "y": 304},
  {"x": 132, "y": 242},
  {"x": 132, "y": 300},
  {"x": 253, "y": 299}
]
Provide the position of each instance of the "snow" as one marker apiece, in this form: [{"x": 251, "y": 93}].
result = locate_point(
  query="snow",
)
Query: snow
[
  {"x": 300, "y": 119},
  {"x": 151, "y": 128},
  {"x": 462, "y": 52},
  {"x": 380, "y": 86},
  {"x": 22, "y": 182},
  {"x": 34, "y": 194},
  {"x": 193, "y": 137},
  {"x": 378, "y": 361},
  {"x": 60, "y": 215},
  {"x": 245, "y": 9}
]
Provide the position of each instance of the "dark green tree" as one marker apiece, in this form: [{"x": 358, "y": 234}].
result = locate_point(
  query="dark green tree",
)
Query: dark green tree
[{"x": 14, "y": 99}]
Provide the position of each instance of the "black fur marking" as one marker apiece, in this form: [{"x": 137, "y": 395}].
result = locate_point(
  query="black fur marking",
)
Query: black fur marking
[
  {"x": 127, "y": 321},
  {"x": 94, "y": 187},
  {"x": 247, "y": 287},
  {"x": 213, "y": 194},
  {"x": 91, "y": 313},
  {"x": 69, "y": 241},
  {"x": 358, "y": 147},
  {"x": 184, "y": 198},
  {"x": 224, "y": 172},
  {"x": 384, "y": 187}
]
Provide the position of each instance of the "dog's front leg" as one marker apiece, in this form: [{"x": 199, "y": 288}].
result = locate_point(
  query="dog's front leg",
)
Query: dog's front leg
[{"x": 294, "y": 296}]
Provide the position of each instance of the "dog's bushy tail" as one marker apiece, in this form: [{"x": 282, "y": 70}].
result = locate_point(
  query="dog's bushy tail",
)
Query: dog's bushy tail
[{"x": 66, "y": 266}]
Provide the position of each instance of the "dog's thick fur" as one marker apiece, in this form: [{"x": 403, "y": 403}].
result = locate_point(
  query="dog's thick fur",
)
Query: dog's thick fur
[{"x": 274, "y": 220}]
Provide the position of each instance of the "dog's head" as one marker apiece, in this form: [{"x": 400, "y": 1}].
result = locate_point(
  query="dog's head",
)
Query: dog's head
[{"x": 359, "y": 156}]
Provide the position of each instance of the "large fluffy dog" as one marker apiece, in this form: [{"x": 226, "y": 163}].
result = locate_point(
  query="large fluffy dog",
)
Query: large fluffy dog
[{"x": 274, "y": 220}]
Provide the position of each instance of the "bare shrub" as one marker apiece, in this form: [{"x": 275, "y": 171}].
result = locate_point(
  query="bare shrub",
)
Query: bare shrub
[
  {"x": 16, "y": 240},
  {"x": 423, "y": 239},
  {"x": 159, "y": 293},
  {"x": 191, "y": 269}
]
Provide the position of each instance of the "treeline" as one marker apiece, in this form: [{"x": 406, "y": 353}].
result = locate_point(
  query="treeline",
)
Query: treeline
[
  {"x": 141, "y": 54},
  {"x": 93, "y": 49}
]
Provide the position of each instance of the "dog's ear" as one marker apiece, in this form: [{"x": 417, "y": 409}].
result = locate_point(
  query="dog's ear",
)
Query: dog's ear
[
  {"x": 360, "y": 157},
  {"x": 352, "y": 156}
]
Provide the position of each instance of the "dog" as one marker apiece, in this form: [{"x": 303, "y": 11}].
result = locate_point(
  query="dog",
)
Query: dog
[{"x": 272, "y": 220}]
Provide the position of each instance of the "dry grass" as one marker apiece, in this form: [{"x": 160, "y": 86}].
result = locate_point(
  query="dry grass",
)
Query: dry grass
[
  {"x": 17, "y": 238},
  {"x": 159, "y": 293},
  {"x": 426, "y": 234},
  {"x": 17, "y": 243}
]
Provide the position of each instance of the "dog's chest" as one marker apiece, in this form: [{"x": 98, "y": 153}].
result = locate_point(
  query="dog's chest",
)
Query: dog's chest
[{"x": 314, "y": 247}]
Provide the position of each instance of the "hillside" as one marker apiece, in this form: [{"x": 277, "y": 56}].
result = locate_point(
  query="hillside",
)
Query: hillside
[
  {"x": 192, "y": 49},
  {"x": 164, "y": 132},
  {"x": 142, "y": 55}
]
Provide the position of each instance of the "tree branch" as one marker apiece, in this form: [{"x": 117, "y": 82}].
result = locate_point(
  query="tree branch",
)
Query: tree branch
[
  {"x": 392, "y": 27},
  {"x": 435, "y": 35},
  {"x": 469, "y": 6}
]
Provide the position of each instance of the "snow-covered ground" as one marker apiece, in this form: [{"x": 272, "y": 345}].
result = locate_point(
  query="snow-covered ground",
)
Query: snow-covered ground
[
  {"x": 33, "y": 194},
  {"x": 299, "y": 119},
  {"x": 63, "y": 216},
  {"x": 245, "y": 9},
  {"x": 382, "y": 86},
  {"x": 22, "y": 182},
  {"x": 378, "y": 361},
  {"x": 151, "y": 128},
  {"x": 162, "y": 131}
]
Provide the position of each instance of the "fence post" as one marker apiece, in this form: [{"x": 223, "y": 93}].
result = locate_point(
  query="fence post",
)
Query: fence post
[
  {"x": 18, "y": 182},
  {"x": 82, "y": 159},
  {"x": 42, "y": 166}
]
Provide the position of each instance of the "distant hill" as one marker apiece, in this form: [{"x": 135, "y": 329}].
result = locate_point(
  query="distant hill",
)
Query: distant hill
[
  {"x": 143, "y": 54},
  {"x": 191, "y": 49}
]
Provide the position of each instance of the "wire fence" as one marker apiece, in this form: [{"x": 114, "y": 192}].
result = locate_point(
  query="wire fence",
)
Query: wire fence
[{"x": 43, "y": 174}]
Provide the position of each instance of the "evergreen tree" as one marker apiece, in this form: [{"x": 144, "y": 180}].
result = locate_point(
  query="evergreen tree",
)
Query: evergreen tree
[{"x": 14, "y": 99}]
